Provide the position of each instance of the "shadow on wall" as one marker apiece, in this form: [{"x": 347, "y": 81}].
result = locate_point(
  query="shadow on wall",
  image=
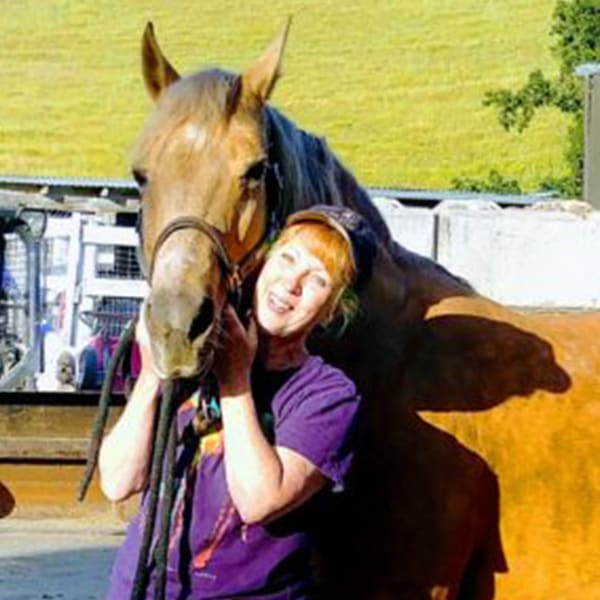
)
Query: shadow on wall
[
  {"x": 471, "y": 363},
  {"x": 7, "y": 501}
]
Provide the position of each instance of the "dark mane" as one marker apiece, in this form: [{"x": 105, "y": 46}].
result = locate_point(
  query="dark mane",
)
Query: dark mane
[
  {"x": 313, "y": 175},
  {"x": 311, "y": 172}
]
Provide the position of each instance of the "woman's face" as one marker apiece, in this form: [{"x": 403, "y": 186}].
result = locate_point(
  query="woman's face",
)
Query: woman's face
[{"x": 292, "y": 291}]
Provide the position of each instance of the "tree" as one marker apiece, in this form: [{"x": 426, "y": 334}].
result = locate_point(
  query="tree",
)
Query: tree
[{"x": 576, "y": 30}]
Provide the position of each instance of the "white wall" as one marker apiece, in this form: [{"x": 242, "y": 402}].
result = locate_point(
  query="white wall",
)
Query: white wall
[
  {"x": 523, "y": 257},
  {"x": 544, "y": 257}
]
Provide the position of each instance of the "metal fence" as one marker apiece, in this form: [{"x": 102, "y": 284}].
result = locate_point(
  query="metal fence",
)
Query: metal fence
[
  {"x": 13, "y": 303},
  {"x": 91, "y": 284}
]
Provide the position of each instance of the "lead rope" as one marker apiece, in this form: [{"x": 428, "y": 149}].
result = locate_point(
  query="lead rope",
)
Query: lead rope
[
  {"x": 162, "y": 548},
  {"x": 165, "y": 441},
  {"x": 122, "y": 348}
]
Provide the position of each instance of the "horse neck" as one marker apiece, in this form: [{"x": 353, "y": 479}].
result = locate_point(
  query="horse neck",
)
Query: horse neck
[
  {"x": 404, "y": 285},
  {"x": 404, "y": 288},
  {"x": 428, "y": 283},
  {"x": 393, "y": 308}
]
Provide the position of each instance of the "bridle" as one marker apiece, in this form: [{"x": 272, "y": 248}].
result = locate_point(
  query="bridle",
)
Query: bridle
[{"x": 234, "y": 273}]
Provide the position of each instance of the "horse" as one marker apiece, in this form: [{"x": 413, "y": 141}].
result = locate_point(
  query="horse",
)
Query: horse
[{"x": 481, "y": 422}]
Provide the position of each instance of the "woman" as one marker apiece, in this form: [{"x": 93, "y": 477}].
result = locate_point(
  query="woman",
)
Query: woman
[{"x": 254, "y": 467}]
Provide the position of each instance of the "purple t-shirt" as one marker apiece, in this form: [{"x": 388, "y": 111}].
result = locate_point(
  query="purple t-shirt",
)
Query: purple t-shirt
[{"x": 213, "y": 554}]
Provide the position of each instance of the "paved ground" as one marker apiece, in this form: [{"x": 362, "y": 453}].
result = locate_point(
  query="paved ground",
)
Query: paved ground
[{"x": 56, "y": 559}]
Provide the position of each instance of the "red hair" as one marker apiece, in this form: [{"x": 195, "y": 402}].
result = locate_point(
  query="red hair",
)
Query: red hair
[{"x": 330, "y": 247}]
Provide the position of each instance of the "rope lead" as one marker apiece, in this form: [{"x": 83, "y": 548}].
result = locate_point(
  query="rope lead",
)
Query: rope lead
[
  {"x": 165, "y": 435},
  {"x": 163, "y": 453},
  {"x": 162, "y": 547},
  {"x": 123, "y": 346}
]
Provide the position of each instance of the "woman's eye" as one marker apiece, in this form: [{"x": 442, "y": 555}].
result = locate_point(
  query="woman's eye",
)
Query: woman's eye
[
  {"x": 140, "y": 177},
  {"x": 319, "y": 281},
  {"x": 287, "y": 257}
]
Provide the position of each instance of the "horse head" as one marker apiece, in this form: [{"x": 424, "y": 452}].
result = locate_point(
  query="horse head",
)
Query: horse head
[{"x": 201, "y": 165}]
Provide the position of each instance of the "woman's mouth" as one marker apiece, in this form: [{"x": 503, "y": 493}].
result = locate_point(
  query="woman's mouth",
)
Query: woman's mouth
[{"x": 278, "y": 304}]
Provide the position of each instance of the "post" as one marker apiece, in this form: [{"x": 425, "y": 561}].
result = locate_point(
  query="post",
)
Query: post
[
  {"x": 31, "y": 228},
  {"x": 591, "y": 156}
]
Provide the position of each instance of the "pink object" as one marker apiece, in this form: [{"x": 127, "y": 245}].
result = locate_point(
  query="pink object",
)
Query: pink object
[{"x": 93, "y": 362}]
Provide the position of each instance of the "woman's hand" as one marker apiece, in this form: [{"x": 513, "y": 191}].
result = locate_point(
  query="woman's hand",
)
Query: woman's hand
[
  {"x": 142, "y": 338},
  {"x": 235, "y": 356},
  {"x": 126, "y": 451}
]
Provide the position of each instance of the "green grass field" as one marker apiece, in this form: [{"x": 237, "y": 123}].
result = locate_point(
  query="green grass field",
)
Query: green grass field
[{"x": 395, "y": 86}]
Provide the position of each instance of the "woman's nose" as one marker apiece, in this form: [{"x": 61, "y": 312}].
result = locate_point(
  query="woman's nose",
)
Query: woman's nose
[{"x": 293, "y": 281}]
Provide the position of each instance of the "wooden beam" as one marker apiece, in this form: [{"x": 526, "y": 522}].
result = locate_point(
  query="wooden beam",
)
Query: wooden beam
[
  {"x": 42, "y": 449},
  {"x": 47, "y": 433}
]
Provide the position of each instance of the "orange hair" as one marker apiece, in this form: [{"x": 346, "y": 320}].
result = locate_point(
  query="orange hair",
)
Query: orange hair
[{"x": 332, "y": 250}]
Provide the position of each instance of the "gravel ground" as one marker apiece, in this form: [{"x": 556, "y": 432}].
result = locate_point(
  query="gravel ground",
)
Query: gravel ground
[{"x": 56, "y": 559}]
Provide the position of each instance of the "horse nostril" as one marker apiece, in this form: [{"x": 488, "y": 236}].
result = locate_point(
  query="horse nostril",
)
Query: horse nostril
[{"x": 203, "y": 320}]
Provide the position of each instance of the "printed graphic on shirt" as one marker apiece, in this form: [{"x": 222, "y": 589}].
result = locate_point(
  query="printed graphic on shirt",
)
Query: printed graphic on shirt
[{"x": 207, "y": 427}]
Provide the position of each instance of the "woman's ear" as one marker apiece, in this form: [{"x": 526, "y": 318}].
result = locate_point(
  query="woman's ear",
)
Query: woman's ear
[
  {"x": 330, "y": 311},
  {"x": 340, "y": 312}
]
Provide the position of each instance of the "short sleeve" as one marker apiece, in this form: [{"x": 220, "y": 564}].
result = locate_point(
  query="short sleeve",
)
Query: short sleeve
[{"x": 317, "y": 415}]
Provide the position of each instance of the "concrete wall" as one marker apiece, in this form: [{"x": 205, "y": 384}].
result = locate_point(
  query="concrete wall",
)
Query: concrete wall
[{"x": 547, "y": 256}]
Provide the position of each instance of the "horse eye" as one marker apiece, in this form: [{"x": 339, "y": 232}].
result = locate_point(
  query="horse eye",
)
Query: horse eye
[
  {"x": 140, "y": 177},
  {"x": 256, "y": 172}
]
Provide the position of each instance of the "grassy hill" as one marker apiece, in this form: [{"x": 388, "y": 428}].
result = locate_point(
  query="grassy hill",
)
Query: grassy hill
[{"x": 395, "y": 85}]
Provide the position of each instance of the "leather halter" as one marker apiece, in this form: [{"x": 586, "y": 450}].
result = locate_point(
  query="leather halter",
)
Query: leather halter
[
  {"x": 189, "y": 222},
  {"x": 234, "y": 273}
]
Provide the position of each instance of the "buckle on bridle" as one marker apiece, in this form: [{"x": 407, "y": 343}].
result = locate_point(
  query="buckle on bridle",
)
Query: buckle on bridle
[{"x": 235, "y": 278}]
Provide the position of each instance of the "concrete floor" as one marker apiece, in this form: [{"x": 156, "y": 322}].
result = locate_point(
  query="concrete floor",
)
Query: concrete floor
[{"x": 56, "y": 559}]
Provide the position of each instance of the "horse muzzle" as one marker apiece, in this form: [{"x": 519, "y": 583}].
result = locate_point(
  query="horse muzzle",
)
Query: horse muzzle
[{"x": 181, "y": 333}]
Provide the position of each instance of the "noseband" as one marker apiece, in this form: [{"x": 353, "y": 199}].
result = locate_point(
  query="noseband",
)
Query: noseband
[{"x": 233, "y": 273}]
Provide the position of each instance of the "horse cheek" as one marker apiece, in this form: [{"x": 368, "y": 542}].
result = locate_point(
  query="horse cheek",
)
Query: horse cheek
[{"x": 245, "y": 219}]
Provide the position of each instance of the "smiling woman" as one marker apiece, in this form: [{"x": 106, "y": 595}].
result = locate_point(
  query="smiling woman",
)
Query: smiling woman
[
  {"x": 304, "y": 281},
  {"x": 263, "y": 449}
]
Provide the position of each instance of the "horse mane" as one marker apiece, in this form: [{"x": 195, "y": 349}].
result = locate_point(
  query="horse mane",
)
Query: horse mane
[{"x": 312, "y": 174}]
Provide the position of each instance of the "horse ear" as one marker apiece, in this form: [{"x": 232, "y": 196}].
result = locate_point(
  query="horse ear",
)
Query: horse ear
[
  {"x": 259, "y": 80},
  {"x": 158, "y": 72}
]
